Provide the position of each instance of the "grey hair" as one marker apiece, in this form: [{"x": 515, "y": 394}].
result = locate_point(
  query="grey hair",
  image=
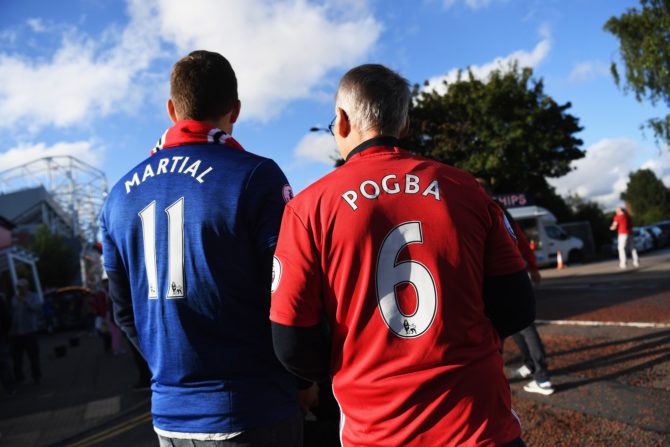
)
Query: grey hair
[{"x": 374, "y": 98}]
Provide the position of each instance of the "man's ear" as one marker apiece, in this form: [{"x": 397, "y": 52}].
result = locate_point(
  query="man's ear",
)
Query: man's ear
[
  {"x": 235, "y": 112},
  {"x": 171, "y": 111},
  {"x": 343, "y": 127}
]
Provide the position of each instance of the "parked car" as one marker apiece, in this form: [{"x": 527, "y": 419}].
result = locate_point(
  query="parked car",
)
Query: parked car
[
  {"x": 642, "y": 241},
  {"x": 664, "y": 226},
  {"x": 66, "y": 308},
  {"x": 659, "y": 238},
  {"x": 546, "y": 237}
]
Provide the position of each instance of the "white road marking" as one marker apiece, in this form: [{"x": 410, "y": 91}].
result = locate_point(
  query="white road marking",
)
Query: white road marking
[
  {"x": 101, "y": 408},
  {"x": 604, "y": 323}
]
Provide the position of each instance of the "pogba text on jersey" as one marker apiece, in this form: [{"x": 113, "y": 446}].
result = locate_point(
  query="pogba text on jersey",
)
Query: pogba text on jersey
[
  {"x": 169, "y": 165},
  {"x": 391, "y": 184}
]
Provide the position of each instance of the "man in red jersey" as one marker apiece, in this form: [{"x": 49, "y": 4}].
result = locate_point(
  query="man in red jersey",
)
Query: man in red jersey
[
  {"x": 623, "y": 225},
  {"x": 414, "y": 271}
]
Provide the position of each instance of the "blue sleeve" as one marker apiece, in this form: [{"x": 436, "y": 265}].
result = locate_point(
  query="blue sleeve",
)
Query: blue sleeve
[
  {"x": 122, "y": 305},
  {"x": 265, "y": 196},
  {"x": 111, "y": 257},
  {"x": 119, "y": 286}
]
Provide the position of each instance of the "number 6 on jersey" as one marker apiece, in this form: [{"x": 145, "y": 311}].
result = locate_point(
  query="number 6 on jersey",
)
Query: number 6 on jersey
[{"x": 391, "y": 274}]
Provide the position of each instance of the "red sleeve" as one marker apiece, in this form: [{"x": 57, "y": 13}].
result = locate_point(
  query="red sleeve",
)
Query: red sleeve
[
  {"x": 296, "y": 275},
  {"x": 524, "y": 248},
  {"x": 501, "y": 256}
]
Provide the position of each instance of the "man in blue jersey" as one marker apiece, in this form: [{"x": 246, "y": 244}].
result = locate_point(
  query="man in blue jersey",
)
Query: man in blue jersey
[{"x": 188, "y": 237}]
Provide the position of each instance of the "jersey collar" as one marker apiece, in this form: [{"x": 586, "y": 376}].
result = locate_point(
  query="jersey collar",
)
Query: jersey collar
[
  {"x": 185, "y": 132},
  {"x": 381, "y": 140}
]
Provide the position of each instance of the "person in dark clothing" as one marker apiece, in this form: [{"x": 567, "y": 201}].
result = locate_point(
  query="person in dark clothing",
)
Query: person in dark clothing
[
  {"x": 6, "y": 376},
  {"x": 26, "y": 306},
  {"x": 528, "y": 339}
]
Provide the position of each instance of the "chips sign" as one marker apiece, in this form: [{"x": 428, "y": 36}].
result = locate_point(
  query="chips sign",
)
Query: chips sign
[{"x": 514, "y": 200}]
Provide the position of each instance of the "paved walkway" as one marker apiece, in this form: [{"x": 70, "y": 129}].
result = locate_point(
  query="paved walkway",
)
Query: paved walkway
[
  {"x": 612, "y": 373},
  {"x": 608, "y": 270},
  {"x": 78, "y": 392}
]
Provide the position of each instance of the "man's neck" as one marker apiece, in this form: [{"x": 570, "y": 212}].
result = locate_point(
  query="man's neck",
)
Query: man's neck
[
  {"x": 222, "y": 123},
  {"x": 377, "y": 140},
  {"x": 356, "y": 139}
]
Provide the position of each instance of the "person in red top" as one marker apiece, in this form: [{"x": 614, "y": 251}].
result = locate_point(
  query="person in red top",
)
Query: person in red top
[
  {"x": 397, "y": 276},
  {"x": 623, "y": 225},
  {"x": 528, "y": 340}
]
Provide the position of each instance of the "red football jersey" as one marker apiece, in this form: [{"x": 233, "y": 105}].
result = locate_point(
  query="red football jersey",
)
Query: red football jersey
[
  {"x": 623, "y": 222},
  {"x": 393, "y": 248}
]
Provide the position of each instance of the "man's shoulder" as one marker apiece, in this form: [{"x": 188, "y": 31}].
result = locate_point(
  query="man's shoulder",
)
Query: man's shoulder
[
  {"x": 329, "y": 185},
  {"x": 194, "y": 159},
  {"x": 446, "y": 170},
  {"x": 319, "y": 189}
]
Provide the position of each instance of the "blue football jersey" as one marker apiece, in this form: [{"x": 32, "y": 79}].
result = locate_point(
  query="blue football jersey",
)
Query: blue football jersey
[{"x": 189, "y": 227}]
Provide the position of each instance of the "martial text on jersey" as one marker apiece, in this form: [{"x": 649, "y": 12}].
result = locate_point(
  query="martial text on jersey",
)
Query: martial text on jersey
[{"x": 164, "y": 167}]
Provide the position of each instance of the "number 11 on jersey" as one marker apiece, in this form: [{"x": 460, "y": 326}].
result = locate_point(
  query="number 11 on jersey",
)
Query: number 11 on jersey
[{"x": 175, "y": 216}]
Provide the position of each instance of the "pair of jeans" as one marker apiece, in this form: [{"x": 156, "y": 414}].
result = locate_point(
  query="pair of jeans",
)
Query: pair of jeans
[
  {"x": 626, "y": 243},
  {"x": 6, "y": 376},
  {"x": 26, "y": 343},
  {"x": 285, "y": 433},
  {"x": 532, "y": 350}
]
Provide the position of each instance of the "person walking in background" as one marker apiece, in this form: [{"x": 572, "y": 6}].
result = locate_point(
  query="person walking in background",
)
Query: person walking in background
[
  {"x": 528, "y": 339},
  {"x": 100, "y": 309},
  {"x": 623, "y": 225},
  {"x": 6, "y": 375},
  {"x": 417, "y": 275},
  {"x": 26, "y": 307},
  {"x": 188, "y": 238}
]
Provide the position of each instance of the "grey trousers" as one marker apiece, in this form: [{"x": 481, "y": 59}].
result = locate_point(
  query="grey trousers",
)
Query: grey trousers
[
  {"x": 532, "y": 351},
  {"x": 286, "y": 433}
]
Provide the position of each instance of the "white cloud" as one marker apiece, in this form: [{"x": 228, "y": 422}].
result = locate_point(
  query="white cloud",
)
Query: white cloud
[
  {"x": 472, "y": 4},
  {"x": 36, "y": 25},
  {"x": 661, "y": 166},
  {"x": 80, "y": 81},
  {"x": 25, "y": 153},
  {"x": 602, "y": 175},
  {"x": 523, "y": 58},
  {"x": 589, "y": 70},
  {"x": 8, "y": 36},
  {"x": 280, "y": 50},
  {"x": 319, "y": 147}
]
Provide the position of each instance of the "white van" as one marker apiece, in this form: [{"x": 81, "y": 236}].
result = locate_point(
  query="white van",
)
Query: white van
[{"x": 545, "y": 237}]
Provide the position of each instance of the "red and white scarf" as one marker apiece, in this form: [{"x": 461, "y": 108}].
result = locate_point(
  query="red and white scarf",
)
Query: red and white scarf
[{"x": 194, "y": 132}]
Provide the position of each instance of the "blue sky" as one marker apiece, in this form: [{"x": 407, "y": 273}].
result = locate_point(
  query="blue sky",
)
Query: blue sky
[{"x": 89, "y": 78}]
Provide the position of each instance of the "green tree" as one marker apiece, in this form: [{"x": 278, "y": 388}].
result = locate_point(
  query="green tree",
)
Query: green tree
[
  {"x": 58, "y": 263},
  {"x": 592, "y": 212},
  {"x": 505, "y": 129},
  {"x": 644, "y": 37},
  {"x": 647, "y": 196}
]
